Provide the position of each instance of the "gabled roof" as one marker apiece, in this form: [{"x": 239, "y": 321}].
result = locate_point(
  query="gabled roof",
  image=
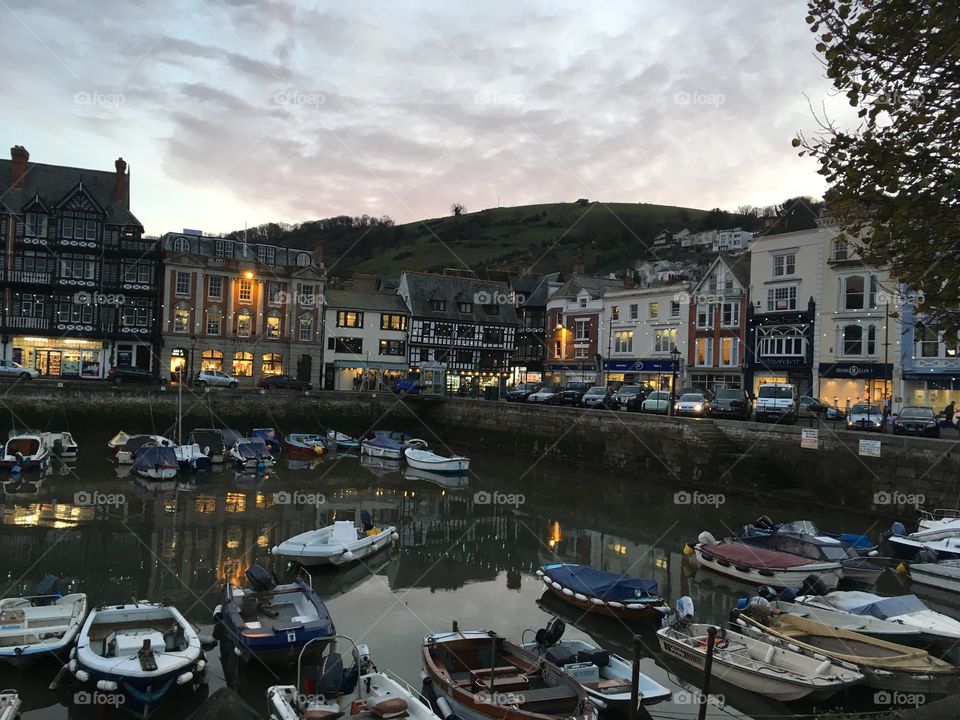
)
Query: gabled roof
[
  {"x": 355, "y": 300},
  {"x": 737, "y": 263},
  {"x": 424, "y": 287},
  {"x": 595, "y": 286},
  {"x": 533, "y": 288}
]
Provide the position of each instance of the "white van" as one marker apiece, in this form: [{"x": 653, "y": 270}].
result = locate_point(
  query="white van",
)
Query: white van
[{"x": 776, "y": 402}]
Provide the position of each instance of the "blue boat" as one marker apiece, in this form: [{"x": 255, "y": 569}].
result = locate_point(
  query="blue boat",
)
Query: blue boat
[
  {"x": 765, "y": 527},
  {"x": 389, "y": 444},
  {"x": 156, "y": 463},
  {"x": 272, "y": 622},
  {"x": 606, "y": 593},
  {"x": 269, "y": 437}
]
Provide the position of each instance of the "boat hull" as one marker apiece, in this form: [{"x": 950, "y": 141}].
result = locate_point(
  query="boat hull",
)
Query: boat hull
[
  {"x": 906, "y": 549},
  {"x": 930, "y": 575},
  {"x": 780, "y": 578},
  {"x": 379, "y": 451},
  {"x": 310, "y": 556},
  {"x": 647, "y": 613},
  {"x": 450, "y": 466}
]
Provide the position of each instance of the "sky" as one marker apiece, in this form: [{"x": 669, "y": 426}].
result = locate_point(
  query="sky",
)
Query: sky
[{"x": 234, "y": 112}]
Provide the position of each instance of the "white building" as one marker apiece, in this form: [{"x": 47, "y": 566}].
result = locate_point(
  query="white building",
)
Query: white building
[{"x": 732, "y": 240}]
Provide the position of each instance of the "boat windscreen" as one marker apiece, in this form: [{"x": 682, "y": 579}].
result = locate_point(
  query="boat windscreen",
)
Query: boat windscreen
[
  {"x": 265, "y": 433},
  {"x": 799, "y": 527},
  {"x": 887, "y": 608}
]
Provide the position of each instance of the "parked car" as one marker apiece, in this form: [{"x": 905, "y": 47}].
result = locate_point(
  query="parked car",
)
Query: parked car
[
  {"x": 808, "y": 406},
  {"x": 865, "y": 416},
  {"x": 776, "y": 402},
  {"x": 544, "y": 395},
  {"x": 214, "y": 378},
  {"x": 832, "y": 413},
  {"x": 283, "y": 382},
  {"x": 708, "y": 394},
  {"x": 597, "y": 397},
  {"x": 406, "y": 386},
  {"x": 656, "y": 402},
  {"x": 731, "y": 403},
  {"x": 521, "y": 391},
  {"x": 917, "y": 420},
  {"x": 692, "y": 405},
  {"x": 571, "y": 394},
  {"x": 628, "y": 397},
  {"x": 133, "y": 375},
  {"x": 9, "y": 368}
]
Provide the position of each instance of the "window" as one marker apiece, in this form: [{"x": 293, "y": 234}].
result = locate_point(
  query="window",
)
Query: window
[
  {"x": 466, "y": 332},
  {"x": 392, "y": 347},
  {"x": 242, "y": 364},
  {"x": 246, "y": 290},
  {"x": 705, "y": 316},
  {"x": 614, "y": 312},
  {"x": 675, "y": 309},
  {"x": 303, "y": 259},
  {"x": 730, "y": 314},
  {"x": 491, "y": 309},
  {"x": 438, "y": 305},
  {"x": 72, "y": 312},
  {"x": 654, "y": 310},
  {"x": 181, "y": 320},
  {"x": 135, "y": 313},
  {"x": 579, "y": 353},
  {"x": 77, "y": 267},
  {"x": 858, "y": 340},
  {"x": 181, "y": 244},
  {"x": 558, "y": 349},
  {"x": 464, "y": 357},
  {"x": 349, "y": 319},
  {"x": 782, "y": 297},
  {"x": 215, "y": 287},
  {"x": 224, "y": 249},
  {"x": 464, "y": 307},
  {"x": 273, "y": 326},
  {"x": 272, "y": 364},
  {"x": 858, "y": 292},
  {"x": 928, "y": 341},
  {"x": 138, "y": 271},
  {"x": 35, "y": 225},
  {"x": 840, "y": 250},
  {"x": 274, "y": 293},
  {"x": 781, "y": 342},
  {"x": 214, "y": 318},
  {"x": 442, "y": 329},
  {"x": 30, "y": 305},
  {"x": 634, "y": 312},
  {"x": 78, "y": 228},
  {"x": 305, "y": 328},
  {"x": 665, "y": 340},
  {"x": 393, "y": 322},
  {"x": 493, "y": 336},
  {"x": 182, "y": 286},
  {"x": 583, "y": 302},
  {"x": 729, "y": 351},
  {"x": 352, "y": 346},
  {"x": 704, "y": 352},
  {"x": 244, "y": 323},
  {"x": 211, "y": 361},
  {"x": 784, "y": 265},
  {"x": 266, "y": 254},
  {"x": 582, "y": 331},
  {"x": 623, "y": 341}
]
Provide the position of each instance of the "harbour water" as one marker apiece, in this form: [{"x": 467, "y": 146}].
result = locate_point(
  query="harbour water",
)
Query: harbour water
[{"x": 468, "y": 551}]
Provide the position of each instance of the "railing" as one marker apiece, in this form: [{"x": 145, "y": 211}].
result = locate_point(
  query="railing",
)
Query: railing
[
  {"x": 945, "y": 363},
  {"x": 27, "y": 323},
  {"x": 29, "y": 276}
]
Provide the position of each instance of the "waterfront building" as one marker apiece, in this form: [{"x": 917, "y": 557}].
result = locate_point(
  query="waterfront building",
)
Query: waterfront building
[
  {"x": 80, "y": 283},
  {"x": 247, "y": 310},
  {"x": 717, "y": 309},
  {"x": 365, "y": 329},
  {"x": 460, "y": 326},
  {"x": 644, "y": 325},
  {"x": 929, "y": 357},
  {"x": 529, "y": 354}
]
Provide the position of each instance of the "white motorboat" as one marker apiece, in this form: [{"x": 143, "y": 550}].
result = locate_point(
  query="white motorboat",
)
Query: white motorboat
[
  {"x": 126, "y": 446},
  {"x": 142, "y": 651},
  {"x": 191, "y": 457},
  {"x": 943, "y": 538},
  {"x": 36, "y": 626},
  {"x": 934, "y": 519},
  {"x": 62, "y": 444},
  {"x": 252, "y": 453},
  {"x": 337, "y": 544},
  {"x": 944, "y": 575},
  {"x": 864, "y": 624},
  {"x": 24, "y": 452},
  {"x": 341, "y": 440},
  {"x": 9, "y": 705},
  {"x": 423, "y": 459}
]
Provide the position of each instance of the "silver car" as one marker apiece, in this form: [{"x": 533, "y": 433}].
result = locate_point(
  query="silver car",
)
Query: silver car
[
  {"x": 865, "y": 416},
  {"x": 214, "y": 378},
  {"x": 692, "y": 405},
  {"x": 543, "y": 395},
  {"x": 9, "y": 368}
]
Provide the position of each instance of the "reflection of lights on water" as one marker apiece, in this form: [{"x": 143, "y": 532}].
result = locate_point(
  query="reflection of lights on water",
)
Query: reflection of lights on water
[
  {"x": 618, "y": 548},
  {"x": 263, "y": 541},
  {"x": 262, "y": 503},
  {"x": 170, "y": 505},
  {"x": 53, "y": 515},
  {"x": 661, "y": 563},
  {"x": 205, "y": 504},
  {"x": 236, "y": 502},
  {"x": 556, "y": 534},
  {"x": 233, "y": 544}
]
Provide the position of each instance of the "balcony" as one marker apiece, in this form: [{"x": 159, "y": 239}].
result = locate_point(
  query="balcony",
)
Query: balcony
[
  {"x": 29, "y": 277},
  {"x": 943, "y": 363},
  {"x": 26, "y": 323}
]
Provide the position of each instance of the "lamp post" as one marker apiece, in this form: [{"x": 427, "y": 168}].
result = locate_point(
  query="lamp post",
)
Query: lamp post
[{"x": 675, "y": 356}]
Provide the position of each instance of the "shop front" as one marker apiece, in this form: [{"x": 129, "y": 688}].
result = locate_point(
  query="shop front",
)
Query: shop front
[
  {"x": 562, "y": 374},
  {"x": 62, "y": 357},
  {"x": 366, "y": 375},
  {"x": 524, "y": 374},
  {"x": 934, "y": 389},
  {"x": 656, "y": 372},
  {"x": 795, "y": 371},
  {"x": 846, "y": 383}
]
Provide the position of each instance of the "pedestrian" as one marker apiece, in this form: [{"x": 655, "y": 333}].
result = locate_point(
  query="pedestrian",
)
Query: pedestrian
[
  {"x": 886, "y": 413},
  {"x": 356, "y": 382},
  {"x": 949, "y": 411}
]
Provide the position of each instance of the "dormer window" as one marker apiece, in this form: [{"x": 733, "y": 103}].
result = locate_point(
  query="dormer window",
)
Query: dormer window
[
  {"x": 266, "y": 254},
  {"x": 583, "y": 302},
  {"x": 464, "y": 307},
  {"x": 35, "y": 225},
  {"x": 438, "y": 305},
  {"x": 303, "y": 260},
  {"x": 181, "y": 244}
]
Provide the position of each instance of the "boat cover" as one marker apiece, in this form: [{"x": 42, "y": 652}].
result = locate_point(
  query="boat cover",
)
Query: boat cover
[
  {"x": 252, "y": 449},
  {"x": 604, "y": 585},
  {"x": 154, "y": 457},
  {"x": 891, "y": 607},
  {"x": 230, "y": 437},
  {"x": 754, "y": 556}
]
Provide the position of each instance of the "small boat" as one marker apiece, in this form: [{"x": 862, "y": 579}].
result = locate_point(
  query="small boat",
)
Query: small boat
[
  {"x": 389, "y": 444},
  {"x": 943, "y": 538},
  {"x": 341, "y": 440},
  {"x": 140, "y": 651},
  {"x": 191, "y": 458},
  {"x": 884, "y": 665},
  {"x": 337, "y": 544},
  {"x": 606, "y": 593},
  {"x": 778, "y": 673},
  {"x": 272, "y": 622},
  {"x": 859, "y": 542},
  {"x": 331, "y": 690},
  {"x": 306, "y": 442},
  {"x": 482, "y": 676},
  {"x": 423, "y": 459},
  {"x": 908, "y": 610},
  {"x": 10, "y": 705},
  {"x": 269, "y": 437},
  {"x": 127, "y": 446},
  {"x": 156, "y": 463},
  {"x": 252, "y": 453},
  {"x": 760, "y": 566},
  {"x": 874, "y": 627},
  {"x": 944, "y": 575},
  {"x": 62, "y": 444},
  {"x": 933, "y": 519},
  {"x": 37, "y": 626},
  {"x": 24, "y": 452},
  {"x": 211, "y": 443},
  {"x": 605, "y": 676}
]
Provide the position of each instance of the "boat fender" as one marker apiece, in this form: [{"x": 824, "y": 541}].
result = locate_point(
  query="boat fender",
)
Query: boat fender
[
  {"x": 546, "y": 580},
  {"x": 73, "y": 652},
  {"x": 237, "y": 652},
  {"x": 793, "y": 648},
  {"x": 581, "y": 597},
  {"x": 201, "y": 664},
  {"x": 106, "y": 685},
  {"x": 823, "y": 668},
  {"x": 82, "y": 675},
  {"x": 618, "y": 606},
  {"x": 771, "y": 652},
  {"x": 556, "y": 586},
  {"x": 539, "y": 573},
  {"x": 767, "y": 592},
  {"x": 596, "y": 601},
  {"x": 184, "y": 678},
  {"x": 706, "y": 538},
  {"x": 218, "y": 613},
  {"x": 925, "y": 555},
  {"x": 688, "y": 549},
  {"x": 347, "y": 555},
  {"x": 394, "y": 536},
  {"x": 790, "y": 594},
  {"x": 568, "y": 592},
  {"x": 446, "y": 712}
]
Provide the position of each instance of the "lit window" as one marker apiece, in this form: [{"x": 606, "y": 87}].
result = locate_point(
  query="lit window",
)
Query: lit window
[
  {"x": 665, "y": 340},
  {"x": 273, "y": 327},
  {"x": 242, "y": 364},
  {"x": 244, "y": 323},
  {"x": 654, "y": 310},
  {"x": 211, "y": 360},
  {"x": 305, "y": 331},
  {"x": 349, "y": 319},
  {"x": 623, "y": 341},
  {"x": 246, "y": 290},
  {"x": 181, "y": 320},
  {"x": 272, "y": 364},
  {"x": 214, "y": 317}
]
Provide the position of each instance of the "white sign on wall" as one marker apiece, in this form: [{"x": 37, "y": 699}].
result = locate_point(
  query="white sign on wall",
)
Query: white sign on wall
[
  {"x": 809, "y": 438},
  {"x": 870, "y": 448}
]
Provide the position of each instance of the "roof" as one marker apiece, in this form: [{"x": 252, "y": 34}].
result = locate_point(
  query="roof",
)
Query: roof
[
  {"x": 596, "y": 286},
  {"x": 54, "y": 183},
  {"x": 353, "y": 299},
  {"x": 534, "y": 293},
  {"x": 739, "y": 266},
  {"x": 423, "y": 287}
]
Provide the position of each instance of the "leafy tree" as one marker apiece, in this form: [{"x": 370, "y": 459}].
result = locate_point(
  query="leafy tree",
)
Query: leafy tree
[{"x": 894, "y": 179}]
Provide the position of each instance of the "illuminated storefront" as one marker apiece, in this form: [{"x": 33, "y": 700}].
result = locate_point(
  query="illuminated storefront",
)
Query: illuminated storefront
[
  {"x": 61, "y": 357},
  {"x": 656, "y": 372},
  {"x": 846, "y": 383},
  {"x": 363, "y": 375}
]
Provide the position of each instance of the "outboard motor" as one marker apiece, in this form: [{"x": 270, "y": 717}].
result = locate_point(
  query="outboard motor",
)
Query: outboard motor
[
  {"x": 767, "y": 592},
  {"x": 706, "y": 538},
  {"x": 49, "y": 590},
  {"x": 550, "y": 635},
  {"x": 898, "y": 529},
  {"x": 366, "y": 521},
  {"x": 925, "y": 555},
  {"x": 759, "y": 608},
  {"x": 764, "y": 523},
  {"x": 260, "y": 579},
  {"x": 790, "y": 594},
  {"x": 813, "y": 585}
]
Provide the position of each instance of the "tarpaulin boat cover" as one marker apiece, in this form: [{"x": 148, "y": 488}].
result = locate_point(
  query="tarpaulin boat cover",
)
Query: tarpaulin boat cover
[
  {"x": 604, "y": 585},
  {"x": 153, "y": 457},
  {"x": 753, "y": 556},
  {"x": 208, "y": 439},
  {"x": 252, "y": 448},
  {"x": 230, "y": 437},
  {"x": 891, "y": 607}
]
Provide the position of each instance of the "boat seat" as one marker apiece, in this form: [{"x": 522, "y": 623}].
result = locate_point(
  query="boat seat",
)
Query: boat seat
[
  {"x": 560, "y": 656},
  {"x": 608, "y": 684},
  {"x": 249, "y": 608},
  {"x": 600, "y": 658},
  {"x": 389, "y": 708},
  {"x": 322, "y": 714},
  {"x": 545, "y": 696},
  {"x": 344, "y": 531},
  {"x": 504, "y": 683},
  {"x": 329, "y": 676}
]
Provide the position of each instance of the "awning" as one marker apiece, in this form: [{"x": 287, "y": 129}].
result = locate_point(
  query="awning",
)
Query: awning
[
  {"x": 650, "y": 365},
  {"x": 857, "y": 371},
  {"x": 369, "y": 365}
]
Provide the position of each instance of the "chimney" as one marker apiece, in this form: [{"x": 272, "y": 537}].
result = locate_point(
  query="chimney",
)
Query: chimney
[
  {"x": 318, "y": 254},
  {"x": 120, "y": 180},
  {"x": 578, "y": 267},
  {"x": 18, "y": 165},
  {"x": 628, "y": 281}
]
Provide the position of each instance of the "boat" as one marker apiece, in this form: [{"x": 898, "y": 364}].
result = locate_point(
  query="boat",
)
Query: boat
[
  {"x": 341, "y": 440},
  {"x": 859, "y": 542},
  {"x": 251, "y": 453},
  {"x": 338, "y": 544},
  {"x": 211, "y": 443},
  {"x": 779, "y": 673},
  {"x": 388, "y": 444},
  {"x": 272, "y": 622},
  {"x": 127, "y": 446},
  {"x": 24, "y": 452},
  {"x": 191, "y": 458},
  {"x": 761, "y": 566},
  {"x": 10, "y": 705},
  {"x": 269, "y": 437},
  {"x": 944, "y": 575},
  {"x": 933, "y": 519},
  {"x": 482, "y": 676},
  {"x": 140, "y": 651},
  {"x": 448, "y": 481},
  {"x": 37, "y": 626},
  {"x": 156, "y": 463},
  {"x": 306, "y": 442},
  {"x": 943, "y": 538},
  {"x": 605, "y": 676},
  {"x": 606, "y": 593},
  {"x": 884, "y": 665},
  {"x": 360, "y": 691},
  {"x": 62, "y": 444},
  {"x": 866, "y": 625},
  {"x": 908, "y": 610},
  {"x": 423, "y": 459}
]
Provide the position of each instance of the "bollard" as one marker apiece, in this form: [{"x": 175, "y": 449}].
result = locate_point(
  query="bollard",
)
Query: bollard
[
  {"x": 635, "y": 680},
  {"x": 707, "y": 667}
]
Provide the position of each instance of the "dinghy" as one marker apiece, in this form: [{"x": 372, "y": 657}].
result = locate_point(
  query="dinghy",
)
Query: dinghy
[
  {"x": 272, "y": 622},
  {"x": 944, "y": 575},
  {"x": 943, "y": 538},
  {"x": 156, "y": 463},
  {"x": 306, "y": 442},
  {"x": 331, "y": 690},
  {"x": 24, "y": 452},
  {"x": 62, "y": 444},
  {"x": 423, "y": 459},
  {"x": 142, "y": 652},
  {"x": 605, "y": 593},
  {"x": 778, "y": 673},
  {"x": 389, "y": 444},
  {"x": 605, "y": 676},
  {"x": 252, "y": 453},
  {"x": 884, "y": 665},
  {"x": 482, "y": 676},
  {"x": 126, "y": 446},
  {"x": 9, "y": 705},
  {"x": 863, "y": 624},
  {"x": 338, "y": 544},
  {"x": 341, "y": 440},
  {"x": 380, "y": 466},
  {"x": 37, "y": 626}
]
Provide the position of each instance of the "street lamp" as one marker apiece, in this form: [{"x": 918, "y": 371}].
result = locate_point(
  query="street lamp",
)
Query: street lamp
[{"x": 675, "y": 356}]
